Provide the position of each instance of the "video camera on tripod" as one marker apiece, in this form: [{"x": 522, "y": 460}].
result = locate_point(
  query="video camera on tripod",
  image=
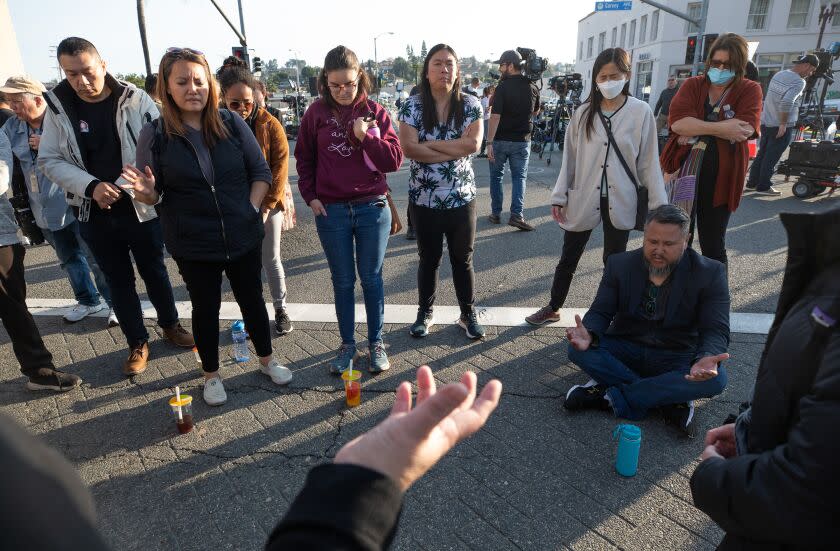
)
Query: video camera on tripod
[
  {"x": 813, "y": 103},
  {"x": 534, "y": 65},
  {"x": 563, "y": 85}
]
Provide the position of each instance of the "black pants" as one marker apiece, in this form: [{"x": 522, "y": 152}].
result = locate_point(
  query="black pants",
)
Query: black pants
[
  {"x": 204, "y": 284},
  {"x": 114, "y": 240},
  {"x": 29, "y": 348},
  {"x": 458, "y": 226},
  {"x": 711, "y": 221},
  {"x": 574, "y": 243}
]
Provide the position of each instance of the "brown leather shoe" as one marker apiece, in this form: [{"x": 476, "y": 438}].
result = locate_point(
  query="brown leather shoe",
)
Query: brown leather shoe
[
  {"x": 179, "y": 336},
  {"x": 137, "y": 360}
]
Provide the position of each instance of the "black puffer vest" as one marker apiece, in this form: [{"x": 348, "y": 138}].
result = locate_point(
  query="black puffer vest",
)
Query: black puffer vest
[{"x": 202, "y": 222}]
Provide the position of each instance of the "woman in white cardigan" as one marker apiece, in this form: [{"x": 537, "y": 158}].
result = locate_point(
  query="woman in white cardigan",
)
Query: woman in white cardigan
[{"x": 593, "y": 185}]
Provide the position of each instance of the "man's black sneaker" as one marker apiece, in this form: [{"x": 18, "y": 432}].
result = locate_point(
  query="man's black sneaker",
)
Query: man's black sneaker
[
  {"x": 410, "y": 233},
  {"x": 519, "y": 222},
  {"x": 588, "y": 396},
  {"x": 682, "y": 417},
  {"x": 52, "y": 379},
  {"x": 282, "y": 323},
  {"x": 425, "y": 320},
  {"x": 469, "y": 322}
]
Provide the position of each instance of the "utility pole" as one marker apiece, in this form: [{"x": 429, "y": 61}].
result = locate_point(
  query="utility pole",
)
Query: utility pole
[
  {"x": 239, "y": 34},
  {"x": 699, "y": 23},
  {"x": 53, "y": 51},
  {"x": 141, "y": 22},
  {"x": 376, "y": 58}
]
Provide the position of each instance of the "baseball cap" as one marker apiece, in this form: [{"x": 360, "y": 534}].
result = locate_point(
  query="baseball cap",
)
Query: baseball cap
[
  {"x": 810, "y": 59},
  {"x": 510, "y": 56},
  {"x": 22, "y": 84}
]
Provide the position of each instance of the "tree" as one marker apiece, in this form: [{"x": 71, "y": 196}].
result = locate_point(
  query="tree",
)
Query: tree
[
  {"x": 309, "y": 71},
  {"x": 402, "y": 68},
  {"x": 135, "y": 79},
  {"x": 296, "y": 63},
  {"x": 423, "y": 51}
]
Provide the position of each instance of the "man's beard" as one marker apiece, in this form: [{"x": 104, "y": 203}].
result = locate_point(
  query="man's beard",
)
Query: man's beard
[{"x": 664, "y": 271}]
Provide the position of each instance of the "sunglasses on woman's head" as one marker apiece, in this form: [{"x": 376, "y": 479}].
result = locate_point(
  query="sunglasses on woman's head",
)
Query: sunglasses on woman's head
[{"x": 179, "y": 51}]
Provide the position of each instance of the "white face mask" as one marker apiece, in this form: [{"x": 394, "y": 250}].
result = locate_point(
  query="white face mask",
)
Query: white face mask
[{"x": 611, "y": 88}]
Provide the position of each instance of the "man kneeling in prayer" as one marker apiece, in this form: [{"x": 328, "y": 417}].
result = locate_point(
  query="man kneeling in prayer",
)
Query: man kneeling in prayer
[{"x": 658, "y": 329}]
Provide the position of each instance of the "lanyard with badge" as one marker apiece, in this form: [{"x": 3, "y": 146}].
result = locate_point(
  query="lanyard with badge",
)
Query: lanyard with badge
[{"x": 34, "y": 185}]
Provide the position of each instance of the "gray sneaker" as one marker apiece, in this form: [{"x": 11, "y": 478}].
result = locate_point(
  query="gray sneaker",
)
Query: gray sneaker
[
  {"x": 378, "y": 358},
  {"x": 344, "y": 359},
  {"x": 769, "y": 191},
  {"x": 425, "y": 320}
]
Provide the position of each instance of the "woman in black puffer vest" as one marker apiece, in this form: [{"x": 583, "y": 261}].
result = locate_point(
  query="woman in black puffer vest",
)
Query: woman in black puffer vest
[{"x": 206, "y": 173}]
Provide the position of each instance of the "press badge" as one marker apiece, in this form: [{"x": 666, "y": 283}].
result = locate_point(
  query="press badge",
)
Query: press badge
[{"x": 34, "y": 186}]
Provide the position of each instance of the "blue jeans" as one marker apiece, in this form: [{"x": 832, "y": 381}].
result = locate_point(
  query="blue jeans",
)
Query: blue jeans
[
  {"x": 77, "y": 260},
  {"x": 517, "y": 154},
  {"x": 640, "y": 378},
  {"x": 770, "y": 150},
  {"x": 368, "y": 224},
  {"x": 114, "y": 241}
]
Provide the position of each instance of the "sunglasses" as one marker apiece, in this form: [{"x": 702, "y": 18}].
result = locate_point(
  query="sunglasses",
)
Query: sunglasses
[
  {"x": 236, "y": 104},
  {"x": 180, "y": 51},
  {"x": 720, "y": 64}
]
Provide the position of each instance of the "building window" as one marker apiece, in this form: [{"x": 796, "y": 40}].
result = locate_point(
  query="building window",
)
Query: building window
[
  {"x": 589, "y": 47},
  {"x": 612, "y": 39},
  {"x": 654, "y": 26},
  {"x": 644, "y": 74},
  {"x": 798, "y": 17},
  {"x": 632, "y": 33},
  {"x": 580, "y": 51},
  {"x": 693, "y": 10},
  {"x": 757, "y": 18},
  {"x": 768, "y": 65},
  {"x": 835, "y": 21},
  {"x": 602, "y": 38},
  {"x": 623, "y": 34},
  {"x": 643, "y": 30}
]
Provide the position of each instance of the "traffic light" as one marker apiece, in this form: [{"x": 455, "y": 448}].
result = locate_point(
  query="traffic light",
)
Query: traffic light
[
  {"x": 258, "y": 66},
  {"x": 241, "y": 52},
  {"x": 690, "y": 49}
]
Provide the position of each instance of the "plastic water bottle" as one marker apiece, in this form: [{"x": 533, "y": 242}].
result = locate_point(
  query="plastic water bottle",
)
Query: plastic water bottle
[
  {"x": 240, "y": 341},
  {"x": 373, "y": 131},
  {"x": 629, "y": 442}
]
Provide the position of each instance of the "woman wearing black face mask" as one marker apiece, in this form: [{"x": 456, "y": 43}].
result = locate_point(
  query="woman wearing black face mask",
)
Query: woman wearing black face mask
[{"x": 594, "y": 184}]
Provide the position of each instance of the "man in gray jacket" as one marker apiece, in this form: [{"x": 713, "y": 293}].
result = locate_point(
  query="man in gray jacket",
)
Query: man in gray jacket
[
  {"x": 34, "y": 358},
  {"x": 90, "y": 133}
]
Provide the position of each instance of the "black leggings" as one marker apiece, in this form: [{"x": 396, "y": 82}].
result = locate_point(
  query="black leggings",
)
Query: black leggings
[
  {"x": 711, "y": 221},
  {"x": 204, "y": 284},
  {"x": 458, "y": 226},
  {"x": 574, "y": 243}
]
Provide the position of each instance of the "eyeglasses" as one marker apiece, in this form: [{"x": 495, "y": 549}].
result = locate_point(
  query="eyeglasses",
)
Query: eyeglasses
[
  {"x": 340, "y": 87},
  {"x": 179, "y": 51},
  {"x": 236, "y": 104},
  {"x": 715, "y": 63}
]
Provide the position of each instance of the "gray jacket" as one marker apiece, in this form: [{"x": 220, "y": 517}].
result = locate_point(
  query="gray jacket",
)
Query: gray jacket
[
  {"x": 61, "y": 159},
  {"x": 8, "y": 225}
]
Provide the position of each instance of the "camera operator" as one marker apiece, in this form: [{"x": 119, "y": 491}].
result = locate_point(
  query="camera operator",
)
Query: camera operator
[
  {"x": 781, "y": 104},
  {"x": 516, "y": 100}
]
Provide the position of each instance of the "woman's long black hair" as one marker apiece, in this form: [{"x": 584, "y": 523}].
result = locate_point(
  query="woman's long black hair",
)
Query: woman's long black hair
[
  {"x": 455, "y": 110},
  {"x": 621, "y": 59}
]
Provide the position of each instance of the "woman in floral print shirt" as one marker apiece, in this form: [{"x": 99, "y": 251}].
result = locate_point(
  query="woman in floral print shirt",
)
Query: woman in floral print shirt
[{"x": 440, "y": 130}]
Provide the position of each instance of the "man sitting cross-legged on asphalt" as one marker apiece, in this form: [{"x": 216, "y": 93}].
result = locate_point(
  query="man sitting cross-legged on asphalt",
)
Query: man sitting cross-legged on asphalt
[{"x": 657, "y": 330}]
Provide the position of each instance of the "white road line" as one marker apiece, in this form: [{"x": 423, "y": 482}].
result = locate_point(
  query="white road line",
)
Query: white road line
[{"x": 739, "y": 322}]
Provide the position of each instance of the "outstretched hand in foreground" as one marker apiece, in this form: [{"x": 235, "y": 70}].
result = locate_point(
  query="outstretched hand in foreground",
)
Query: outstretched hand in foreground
[{"x": 411, "y": 440}]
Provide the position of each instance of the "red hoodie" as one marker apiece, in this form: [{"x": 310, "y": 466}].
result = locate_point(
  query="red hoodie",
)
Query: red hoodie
[{"x": 330, "y": 164}]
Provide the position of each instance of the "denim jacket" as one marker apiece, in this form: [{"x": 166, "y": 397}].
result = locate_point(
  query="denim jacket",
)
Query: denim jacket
[
  {"x": 8, "y": 225},
  {"x": 49, "y": 205}
]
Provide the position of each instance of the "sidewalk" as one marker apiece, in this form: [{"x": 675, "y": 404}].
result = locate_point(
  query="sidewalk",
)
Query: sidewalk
[{"x": 536, "y": 477}]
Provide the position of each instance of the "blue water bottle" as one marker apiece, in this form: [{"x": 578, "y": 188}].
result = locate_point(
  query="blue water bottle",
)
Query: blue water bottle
[
  {"x": 629, "y": 441},
  {"x": 240, "y": 341}
]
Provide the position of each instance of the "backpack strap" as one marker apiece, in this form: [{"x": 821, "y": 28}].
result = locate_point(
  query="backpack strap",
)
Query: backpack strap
[{"x": 159, "y": 141}]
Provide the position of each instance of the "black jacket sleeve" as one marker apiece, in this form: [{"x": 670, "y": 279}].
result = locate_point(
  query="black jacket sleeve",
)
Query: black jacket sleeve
[
  {"x": 787, "y": 495},
  {"x": 605, "y": 306},
  {"x": 341, "y": 507},
  {"x": 713, "y": 316}
]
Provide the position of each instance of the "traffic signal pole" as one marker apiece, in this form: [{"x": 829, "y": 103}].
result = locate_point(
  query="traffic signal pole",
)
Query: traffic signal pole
[
  {"x": 239, "y": 35},
  {"x": 701, "y": 28}
]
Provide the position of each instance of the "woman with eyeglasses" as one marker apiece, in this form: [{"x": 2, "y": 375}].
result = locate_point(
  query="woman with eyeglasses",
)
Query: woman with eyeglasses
[
  {"x": 345, "y": 146},
  {"x": 204, "y": 170},
  {"x": 711, "y": 118},
  {"x": 238, "y": 88},
  {"x": 441, "y": 129}
]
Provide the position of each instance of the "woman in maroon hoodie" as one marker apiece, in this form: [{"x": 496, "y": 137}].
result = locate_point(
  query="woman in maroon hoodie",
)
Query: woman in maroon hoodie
[{"x": 345, "y": 145}]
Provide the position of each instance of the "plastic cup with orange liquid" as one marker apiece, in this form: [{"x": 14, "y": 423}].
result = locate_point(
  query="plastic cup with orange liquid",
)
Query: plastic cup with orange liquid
[{"x": 352, "y": 387}]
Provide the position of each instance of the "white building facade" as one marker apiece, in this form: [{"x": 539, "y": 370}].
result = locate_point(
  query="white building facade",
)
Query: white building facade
[
  {"x": 10, "y": 61},
  {"x": 657, "y": 41}
]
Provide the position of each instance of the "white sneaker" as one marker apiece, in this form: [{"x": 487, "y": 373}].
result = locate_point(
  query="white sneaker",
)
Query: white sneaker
[
  {"x": 112, "y": 318},
  {"x": 280, "y": 374},
  {"x": 214, "y": 392},
  {"x": 80, "y": 312}
]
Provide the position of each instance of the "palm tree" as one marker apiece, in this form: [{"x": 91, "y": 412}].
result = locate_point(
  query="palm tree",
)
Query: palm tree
[{"x": 141, "y": 21}]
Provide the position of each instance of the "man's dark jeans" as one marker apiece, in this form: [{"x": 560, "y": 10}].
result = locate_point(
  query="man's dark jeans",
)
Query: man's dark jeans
[
  {"x": 770, "y": 150},
  {"x": 640, "y": 378},
  {"x": 113, "y": 241}
]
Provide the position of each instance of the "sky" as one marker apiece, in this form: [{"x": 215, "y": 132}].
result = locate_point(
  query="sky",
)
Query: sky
[{"x": 300, "y": 29}]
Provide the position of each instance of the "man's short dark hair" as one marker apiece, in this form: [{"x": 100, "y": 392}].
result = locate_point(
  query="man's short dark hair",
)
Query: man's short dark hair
[
  {"x": 151, "y": 83},
  {"x": 73, "y": 46},
  {"x": 669, "y": 214}
]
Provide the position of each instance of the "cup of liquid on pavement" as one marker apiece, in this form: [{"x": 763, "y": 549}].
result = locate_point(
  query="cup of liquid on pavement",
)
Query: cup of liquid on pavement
[
  {"x": 352, "y": 387},
  {"x": 181, "y": 405}
]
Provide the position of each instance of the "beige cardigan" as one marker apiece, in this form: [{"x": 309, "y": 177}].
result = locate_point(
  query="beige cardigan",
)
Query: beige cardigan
[{"x": 578, "y": 186}]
